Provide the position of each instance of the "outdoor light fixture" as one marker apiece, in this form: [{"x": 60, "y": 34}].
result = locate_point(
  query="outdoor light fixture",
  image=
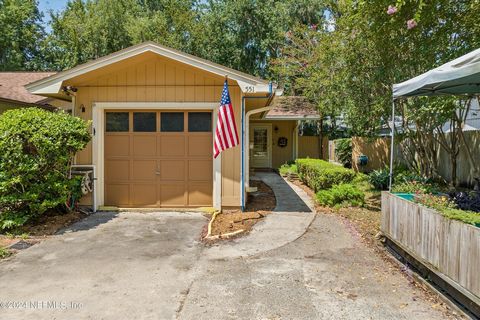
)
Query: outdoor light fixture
[
  {"x": 69, "y": 89},
  {"x": 82, "y": 108}
]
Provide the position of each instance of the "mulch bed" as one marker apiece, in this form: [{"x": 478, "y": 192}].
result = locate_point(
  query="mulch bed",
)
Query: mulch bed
[
  {"x": 52, "y": 222},
  {"x": 259, "y": 204},
  {"x": 39, "y": 229}
]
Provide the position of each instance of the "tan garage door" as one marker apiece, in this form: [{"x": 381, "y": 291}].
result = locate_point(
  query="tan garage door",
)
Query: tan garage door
[{"x": 158, "y": 158}]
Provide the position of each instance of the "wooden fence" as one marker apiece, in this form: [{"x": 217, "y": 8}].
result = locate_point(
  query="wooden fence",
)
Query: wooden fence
[
  {"x": 377, "y": 150},
  {"x": 332, "y": 154},
  {"x": 448, "y": 247},
  {"x": 308, "y": 146}
]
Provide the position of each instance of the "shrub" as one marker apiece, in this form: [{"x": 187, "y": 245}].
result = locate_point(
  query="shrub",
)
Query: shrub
[
  {"x": 343, "y": 150},
  {"x": 415, "y": 187},
  {"x": 4, "y": 253},
  {"x": 466, "y": 201},
  {"x": 36, "y": 149},
  {"x": 445, "y": 206},
  {"x": 341, "y": 195},
  {"x": 469, "y": 217},
  {"x": 362, "y": 181},
  {"x": 320, "y": 174},
  {"x": 287, "y": 169},
  {"x": 403, "y": 176},
  {"x": 380, "y": 179}
]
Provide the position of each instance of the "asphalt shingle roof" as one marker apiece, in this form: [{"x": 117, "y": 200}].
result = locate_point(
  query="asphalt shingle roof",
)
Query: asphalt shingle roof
[{"x": 12, "y": 86}]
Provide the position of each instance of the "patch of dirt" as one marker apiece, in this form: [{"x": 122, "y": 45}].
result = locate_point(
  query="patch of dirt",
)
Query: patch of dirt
[
  {"x": 51, "y": 222},
  {"x": 259, "y": 204},
  {"x": 38, "y": 230}
]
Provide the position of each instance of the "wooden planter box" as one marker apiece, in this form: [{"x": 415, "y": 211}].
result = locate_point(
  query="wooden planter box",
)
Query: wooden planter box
[{"x": 449, "y": 248}]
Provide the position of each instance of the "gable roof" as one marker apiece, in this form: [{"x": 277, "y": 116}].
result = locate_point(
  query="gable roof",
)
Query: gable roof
[
  {"x": 53, "y": 84},
  {"x": 292, "y": 108},
  {"x": 12, "y": 87}
]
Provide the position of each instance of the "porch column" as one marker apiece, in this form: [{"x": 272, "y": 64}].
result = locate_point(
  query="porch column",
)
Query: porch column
[{"x": 295, "y": 141}]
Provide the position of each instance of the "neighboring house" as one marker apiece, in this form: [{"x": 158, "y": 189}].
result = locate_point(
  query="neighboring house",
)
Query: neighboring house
[
  {"x": 472, "y": 119},
  {"x": 153, "y": 111},
  {"x": 14, "y": 95}
]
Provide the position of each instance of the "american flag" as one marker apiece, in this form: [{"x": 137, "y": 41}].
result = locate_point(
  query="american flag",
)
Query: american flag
[{"x": 226, "y": 135}]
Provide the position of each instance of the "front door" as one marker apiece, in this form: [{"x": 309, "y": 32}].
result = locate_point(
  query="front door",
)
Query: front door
[{"x": 261, "y": 145}]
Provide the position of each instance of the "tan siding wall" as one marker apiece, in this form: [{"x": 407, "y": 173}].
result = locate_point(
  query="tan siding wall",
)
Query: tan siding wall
[
  {"x": 308, "y": 147},
  {"x": 5, "y": 107},
  {"x": 65, "y": 105},
  {"x": 282, "y": 155},
  {"x": 156, "y": 79}
]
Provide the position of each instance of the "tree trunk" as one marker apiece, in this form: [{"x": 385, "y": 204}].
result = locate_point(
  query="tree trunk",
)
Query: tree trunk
[{"x": 320, "y": 138}]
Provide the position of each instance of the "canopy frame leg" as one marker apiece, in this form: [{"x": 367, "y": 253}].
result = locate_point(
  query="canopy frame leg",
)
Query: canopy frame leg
[{"x": 392, "y": 146}]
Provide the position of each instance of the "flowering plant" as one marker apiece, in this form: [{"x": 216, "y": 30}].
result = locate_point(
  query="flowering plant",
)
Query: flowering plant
[
  {"x": 392, "y": 10},
  {"x": 434, "y": 201}
]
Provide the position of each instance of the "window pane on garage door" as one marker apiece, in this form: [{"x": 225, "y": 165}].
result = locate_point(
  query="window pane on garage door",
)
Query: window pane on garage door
[
  {"x": 117, "y": 122},
  {"x": 144, "y": 121},
  {"x": 171, "y": 121},
  {"x": 199, "y": 121}
]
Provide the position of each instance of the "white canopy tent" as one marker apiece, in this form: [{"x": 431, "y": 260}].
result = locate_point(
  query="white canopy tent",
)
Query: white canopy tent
[{"x": 457, "y": 77}]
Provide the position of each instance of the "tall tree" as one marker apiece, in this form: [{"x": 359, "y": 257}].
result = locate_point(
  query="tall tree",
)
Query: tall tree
[
  {"x": 87, "y": 30},
  {"x": 20, "y": 23},
  {"x": 367, "y": 46},
  {"x": 248, "y": 34}
]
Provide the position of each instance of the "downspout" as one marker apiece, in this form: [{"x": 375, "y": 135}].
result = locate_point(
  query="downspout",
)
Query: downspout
[{"x": 242, "y": 175}]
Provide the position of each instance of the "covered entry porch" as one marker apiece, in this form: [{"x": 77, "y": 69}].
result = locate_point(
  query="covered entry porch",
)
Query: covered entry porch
[{"x": 275, "y": 136}]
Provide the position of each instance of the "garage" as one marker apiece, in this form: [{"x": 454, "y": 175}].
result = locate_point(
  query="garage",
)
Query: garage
[
  {"x": 153, "y": 112},
  {"x": 158, "y": 158}
]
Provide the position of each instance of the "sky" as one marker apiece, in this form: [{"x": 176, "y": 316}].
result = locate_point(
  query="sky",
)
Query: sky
[{"x": 46, "y": 5}]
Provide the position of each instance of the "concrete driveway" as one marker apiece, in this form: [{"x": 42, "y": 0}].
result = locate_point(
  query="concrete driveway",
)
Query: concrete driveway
[
  {"x": 125, "y": 266},
  {"x": 151, "y": 266}
]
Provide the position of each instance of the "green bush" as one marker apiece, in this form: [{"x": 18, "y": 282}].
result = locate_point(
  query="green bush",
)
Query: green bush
[
  {"x": 286, "y": 169},
  {"x": 362, "y": 181},
  {"x": 320, "y": 174},
  {"x": 415, "y": 187},
  {"x": 36, "y": 149},
  {"x": 4, "y": 253},
  {"x": 448, "y": 208},
  {"x": 341, "y": 195},
  {"x": 380, "y": 179},
  {"x": 469, "y": 217},
  {"x": 343, "y": 150}
]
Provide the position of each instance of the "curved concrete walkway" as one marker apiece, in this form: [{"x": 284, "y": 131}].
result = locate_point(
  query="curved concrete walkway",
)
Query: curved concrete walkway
[{"x": 289, "y": 221}]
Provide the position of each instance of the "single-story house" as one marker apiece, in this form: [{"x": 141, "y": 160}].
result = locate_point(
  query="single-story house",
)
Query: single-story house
[
  {"x": 153, "y": 112},
  {"x": 14, "y": 95}
]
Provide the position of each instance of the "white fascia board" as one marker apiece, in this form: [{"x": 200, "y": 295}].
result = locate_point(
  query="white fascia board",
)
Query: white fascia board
[
  {"x": 52, "y": 88},
  {"x": 248, "y": 87},
  {"x": 53, "y": 83}
]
